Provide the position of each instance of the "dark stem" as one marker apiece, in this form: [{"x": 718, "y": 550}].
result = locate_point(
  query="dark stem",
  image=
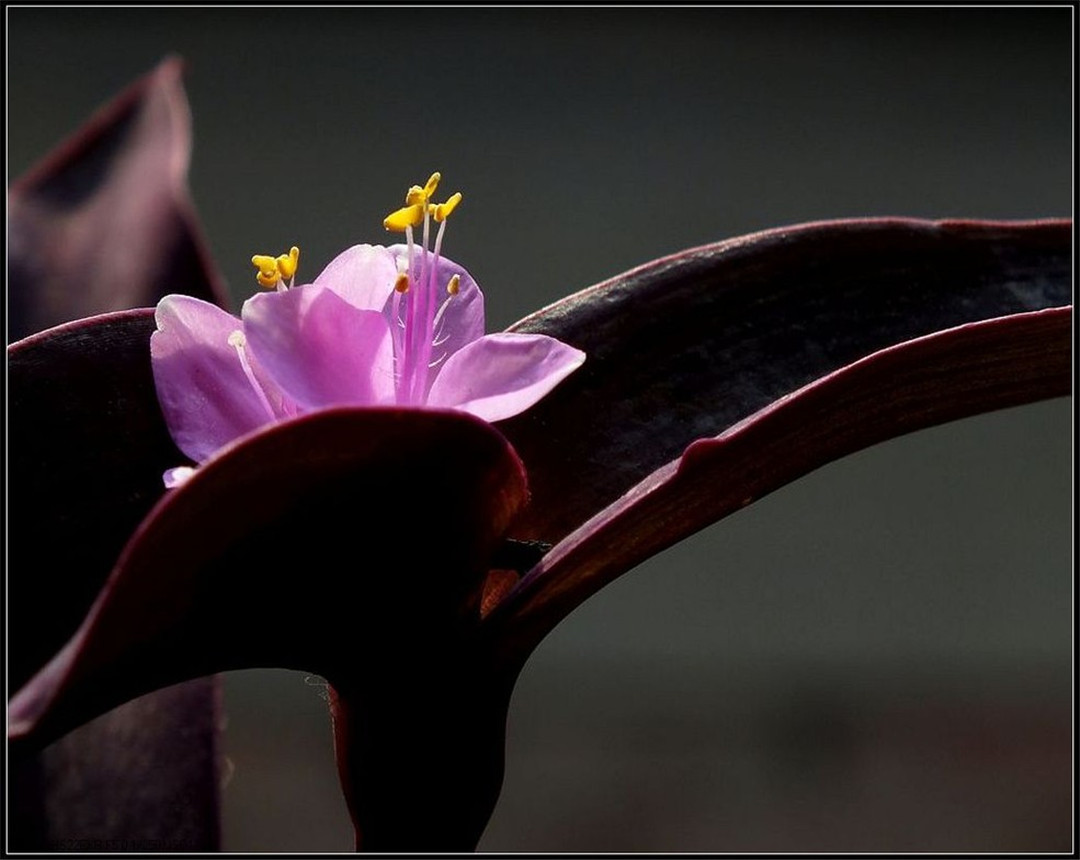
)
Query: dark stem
[{"x": 421, "y": 750}]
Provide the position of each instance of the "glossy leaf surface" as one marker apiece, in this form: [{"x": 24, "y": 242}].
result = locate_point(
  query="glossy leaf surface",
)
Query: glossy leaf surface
[
  {"x": 331, "y": 543},
  {"x": 947, "y": 375},
  {"x": 685, "y": 347},
  {"x": 713, "y": 377},
  {"x": 90, "y": 447},
  {"x": 105, "y": 221}
]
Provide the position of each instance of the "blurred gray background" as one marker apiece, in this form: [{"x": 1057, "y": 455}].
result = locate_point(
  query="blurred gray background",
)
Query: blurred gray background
[{"x": 877, "y": 657}]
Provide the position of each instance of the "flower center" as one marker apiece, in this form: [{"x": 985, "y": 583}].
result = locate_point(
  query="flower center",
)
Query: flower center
[{"x": 418, "y": 303}]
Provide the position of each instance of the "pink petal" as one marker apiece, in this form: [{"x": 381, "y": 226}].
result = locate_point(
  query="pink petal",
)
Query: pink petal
[
  {"x": 321, "y": 349},
  {"x": 363, "y": 275},
  {"x": 503, "y": 374},
  {"x": 463, "y": 320},
  {"x": 204, "y": 393}
]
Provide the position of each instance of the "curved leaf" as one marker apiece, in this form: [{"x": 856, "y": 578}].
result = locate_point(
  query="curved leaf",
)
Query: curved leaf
[
  {"x": 106, "y": 221},
  {"x": 951, "y": 374},
  {"x": 383, "y": 518},
  {"x": 685, "y": 347},
  {"x": 143, "y": 777},
  {"x": 89, "y": 445},
  {"x": 792, "y": 347}
]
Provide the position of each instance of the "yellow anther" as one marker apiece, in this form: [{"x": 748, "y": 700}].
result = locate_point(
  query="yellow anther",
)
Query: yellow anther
[
  {"x": 286, "y": 263},
  {"x": 418, "y": 204},
  {"x": 237, "y": 339},
  {"x": 442, "y": 210},
  {"x": 419, "y": 196},
  {"x": 432, "y": 184},
  {"x": 454, "y": 285},
  {"x": 274, "y": 270},
  {"x": 402, "y": 283},
  {"x": 268, "y": 270},
  {"x": 408, "y": 216}
]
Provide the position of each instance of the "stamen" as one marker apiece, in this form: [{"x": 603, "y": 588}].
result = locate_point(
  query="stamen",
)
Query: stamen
[
  {"x": 433, "y": 331},
  {"x": 452, "y": 290},
  {"x": 415, "y": 307},
  {"x": 397, "y": 332},
  {"x": 274, "y": 271},
  {"x": 419, "y": 329},
  {"x": 407, "y": 216},
  {"x": 438, "y": 244},
  {"x": 239, "y": 342},
  {"x": 287, "y": 263},
  {"x": 268, "y": 271},
  {"x": 443, "y": 210},
  {"x": 427, "y": 232},
  {"x": 409, "y": 242}
]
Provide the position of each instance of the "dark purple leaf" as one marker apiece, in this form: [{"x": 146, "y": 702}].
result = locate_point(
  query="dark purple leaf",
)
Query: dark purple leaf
[
  {"x": 340, "y": 543},
  {"x": 352, "y": 543},
  {"x": 89, "y": 438},
  {"x": 951, "y": 374},
  {"x": 880, "y": 327},
  {"x": 687, "y": 346},
  {"x": 89, "y": 445},
  {"x": 143, "y": 777},
  {"x": 105, "y": 221}
]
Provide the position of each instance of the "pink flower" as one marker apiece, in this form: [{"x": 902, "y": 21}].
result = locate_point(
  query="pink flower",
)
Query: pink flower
[{"x": 378, "y": 327}]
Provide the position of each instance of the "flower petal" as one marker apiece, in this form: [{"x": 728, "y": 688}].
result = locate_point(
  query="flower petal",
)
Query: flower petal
[
  {"x": 321, "y": 349},
  {"x": 363, "y": 275},
  {"x": 203, "y": 389},
  {"x": 503, "y": 374},
  {"x": 463, "y": 320}
]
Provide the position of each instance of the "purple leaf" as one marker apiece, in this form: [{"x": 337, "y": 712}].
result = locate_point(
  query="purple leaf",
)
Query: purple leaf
[
  {"x": 767, "y": 339},
  {"x": 386, "y": 518},
  {"x": 143, "y": 777},
  {"x": 792, "y": 347},
  {"x": 85, "y": 425},
  {"x": 105, "y": 221},
  {"x": 951, "y": 374},
  {"x": 91, "y": 447},
  {"x": 685, "y": 347}
]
